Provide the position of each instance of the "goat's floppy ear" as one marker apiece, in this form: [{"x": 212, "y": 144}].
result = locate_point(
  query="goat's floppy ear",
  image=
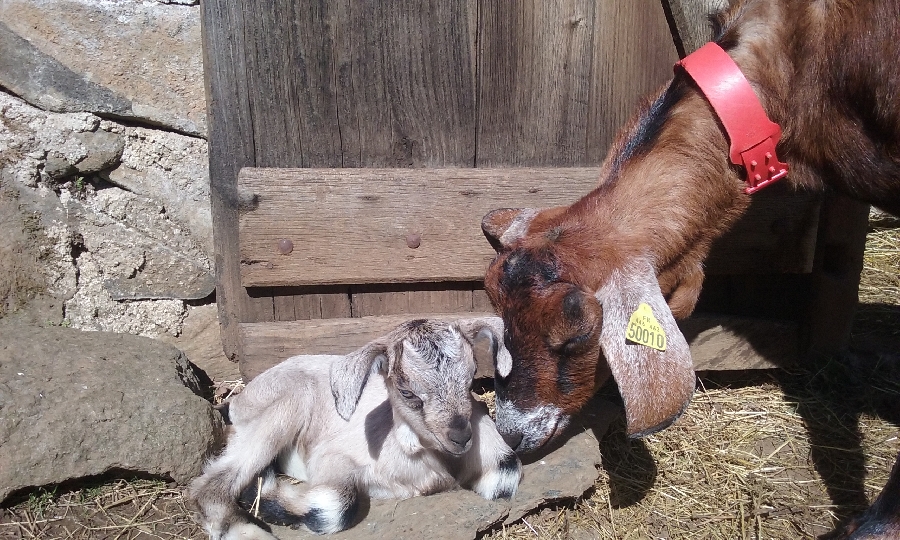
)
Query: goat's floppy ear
[
  {"x": 655, "y": 385},
  {"x": 350, "y": 374},
  {"x": 503, "y": 226},
  {"x": 492, "y": 329}
]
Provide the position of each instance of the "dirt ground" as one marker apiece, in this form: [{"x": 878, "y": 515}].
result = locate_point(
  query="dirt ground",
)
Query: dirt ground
[{"x": 767, "y": 454}]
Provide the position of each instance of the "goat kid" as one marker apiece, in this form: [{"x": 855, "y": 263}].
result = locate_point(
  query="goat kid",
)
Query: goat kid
[
  {"x": 395, "y": 419},
  {"x": 566, "y": 280}
]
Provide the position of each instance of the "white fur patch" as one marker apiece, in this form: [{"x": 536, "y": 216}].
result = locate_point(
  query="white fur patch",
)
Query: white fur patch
[
  {"x": 496, "y": 483},
  {"x": 504, "y": 362},
  {"x": 519, "y": 226},
  {"x": 408, "y": 440},
  {"x": 330, "y": 506},
  {"x": 536, "y": 425},
  {"x": 246, "y": 531},
  {"x": 293, "y": 464}
]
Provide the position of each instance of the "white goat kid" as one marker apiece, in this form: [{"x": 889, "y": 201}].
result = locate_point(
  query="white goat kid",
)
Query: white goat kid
[{"x": 413, "y": 428}]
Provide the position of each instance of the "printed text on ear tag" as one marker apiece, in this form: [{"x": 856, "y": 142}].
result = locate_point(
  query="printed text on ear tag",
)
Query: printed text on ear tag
[{"x": 643, "y": 328}]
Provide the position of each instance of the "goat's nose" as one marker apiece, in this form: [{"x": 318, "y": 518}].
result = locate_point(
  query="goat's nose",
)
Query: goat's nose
[
  {"x": 460, "y": 431},
  {"x": 461, "y": 436},
  {"x": 512, "y": 439}
]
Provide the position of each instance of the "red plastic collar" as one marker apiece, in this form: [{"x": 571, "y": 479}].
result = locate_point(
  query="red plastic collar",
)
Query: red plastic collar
[{"x": 753, "y": 135}]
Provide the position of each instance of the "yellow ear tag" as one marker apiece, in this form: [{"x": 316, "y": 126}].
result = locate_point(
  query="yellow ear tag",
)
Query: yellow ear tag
[{"x": 644, "y": 329}]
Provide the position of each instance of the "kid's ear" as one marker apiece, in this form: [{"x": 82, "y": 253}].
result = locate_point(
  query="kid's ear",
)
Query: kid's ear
[
  {"x": 490, "y": 328},
  {"x": 350, "y": 374},
  {"x": 656, "y": 385}
]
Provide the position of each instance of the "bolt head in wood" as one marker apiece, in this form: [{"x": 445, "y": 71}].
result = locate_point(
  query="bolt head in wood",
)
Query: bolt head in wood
[
  {"x": 285, "y": 246},
  {"x": 413, "y": 240}
]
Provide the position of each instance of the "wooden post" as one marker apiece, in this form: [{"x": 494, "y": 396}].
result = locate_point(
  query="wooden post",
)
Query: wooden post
[
  {"x": 230, "y": 148},
  {"x": 840, "y": 247},
  {"x": 689, "y": 22}
]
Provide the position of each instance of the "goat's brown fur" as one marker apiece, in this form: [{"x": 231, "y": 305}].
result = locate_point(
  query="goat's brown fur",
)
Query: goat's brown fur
[{"x": 826, "y": 71}]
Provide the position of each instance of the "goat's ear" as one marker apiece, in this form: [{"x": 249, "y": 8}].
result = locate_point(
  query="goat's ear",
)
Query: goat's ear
[
  {"x": 656, "y": 385},
  {"x": 350, "y": 374},
  {"x": 504, "y": 226},
  {"x": 490, "y": 329}
]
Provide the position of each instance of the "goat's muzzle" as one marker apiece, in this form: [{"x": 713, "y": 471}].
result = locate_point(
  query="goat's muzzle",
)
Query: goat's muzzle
[{"x": 460, "y": 435}]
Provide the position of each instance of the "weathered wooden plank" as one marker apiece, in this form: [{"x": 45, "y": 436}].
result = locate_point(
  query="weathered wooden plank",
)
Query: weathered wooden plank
[
  {"x": 381, "y": 209},
  {"x": 334, "y": 305},
  {"x": 294, "y": 110},
  {"x": 356, "y": 83},
  {"x": 261, "y": 307},
  {"x": 633, "y": 56},
  {"x": 419, "y": 298},
  {"x": 726, "y": 343},
  {"x": 283, "y": 307},
  {"x": 558, "y": 78},
  {"x": 535, "y": 82},
  {"x": 290, "y": 68},
  {"x": 405, "y": 79},
  {"x": 266, "y": 344},
  {"x": 480, "y": 301},
  {"x": 230, "y": 148},
  {"x": 717, "y": 343}
]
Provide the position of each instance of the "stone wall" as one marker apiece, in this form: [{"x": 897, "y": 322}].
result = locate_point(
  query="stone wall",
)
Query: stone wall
[{"x": 104, "y": 184}]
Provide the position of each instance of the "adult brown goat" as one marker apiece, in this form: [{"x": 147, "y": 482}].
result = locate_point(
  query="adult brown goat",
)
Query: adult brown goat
[{"x": 567, "y": 280}]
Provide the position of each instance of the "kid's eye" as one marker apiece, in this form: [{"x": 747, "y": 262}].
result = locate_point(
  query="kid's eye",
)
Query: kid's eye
[{"x": 407, "y": 394}]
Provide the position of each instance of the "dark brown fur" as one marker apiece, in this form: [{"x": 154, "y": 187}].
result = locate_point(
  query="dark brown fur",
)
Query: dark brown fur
[{"x": 826, "y": 71}]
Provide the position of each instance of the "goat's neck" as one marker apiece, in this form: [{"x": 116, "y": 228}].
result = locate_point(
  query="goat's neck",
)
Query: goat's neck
[
  {"x": 668, "y": 188},
  {"x": 406, "y": 438},
  {"x": 660, "y": 197}
]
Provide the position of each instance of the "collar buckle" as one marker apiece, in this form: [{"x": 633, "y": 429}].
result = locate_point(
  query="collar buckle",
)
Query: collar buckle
[{"x": 762, "y": 165}]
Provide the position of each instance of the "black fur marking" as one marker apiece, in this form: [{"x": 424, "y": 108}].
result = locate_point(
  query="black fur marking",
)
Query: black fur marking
[
  {"x": 248, "y": 494},
  {"x": 523, "y": 269},
  {"x": 268, "y": 510},
  {"x": 416, "y": 323},
  {"x": 349, "y": 513},
  {"x": 651, "y": 123},
  {"x": 509, "y": 464},
  {"x": 563, "y": 379},
  {"x": 272, "y": 512},
  {"x": 572, "y": 305},
  {"x": 870, "y": 530},
  {"x": 315, "y": 521},
  {"x": 724, "y": 34}
]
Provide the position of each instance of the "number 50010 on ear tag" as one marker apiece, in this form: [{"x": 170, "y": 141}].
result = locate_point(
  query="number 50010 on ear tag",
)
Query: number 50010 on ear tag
[{"x": 644, "y": 329}]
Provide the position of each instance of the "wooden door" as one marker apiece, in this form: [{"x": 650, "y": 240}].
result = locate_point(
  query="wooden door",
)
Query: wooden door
[{"x": 418, "y": 85}]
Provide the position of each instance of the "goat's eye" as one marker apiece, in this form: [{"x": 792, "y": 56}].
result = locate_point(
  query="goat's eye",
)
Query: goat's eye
[
  {"x": 412, "y": 400},
  {"x": 574, "y": 345}
]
